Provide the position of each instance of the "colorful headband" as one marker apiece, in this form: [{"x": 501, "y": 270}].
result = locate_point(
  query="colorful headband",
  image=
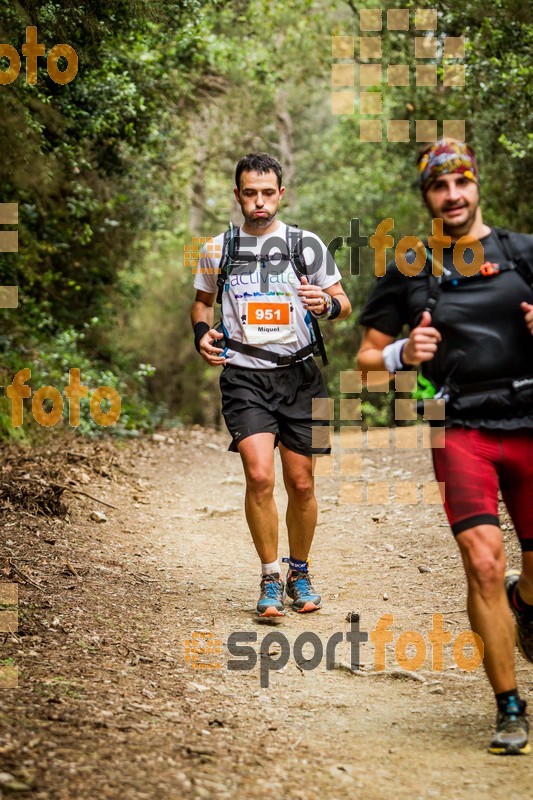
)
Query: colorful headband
[{"x": 447, "y": 156}]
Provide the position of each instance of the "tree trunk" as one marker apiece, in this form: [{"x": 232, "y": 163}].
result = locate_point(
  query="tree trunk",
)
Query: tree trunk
[{"x": 286, "y": 153}]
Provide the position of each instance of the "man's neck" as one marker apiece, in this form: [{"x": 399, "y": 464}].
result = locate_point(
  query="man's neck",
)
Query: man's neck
[
  {"x": 478, "y": 230},
  {"x": 254, "y": 230},
  {"x": 474, "y": 232}
]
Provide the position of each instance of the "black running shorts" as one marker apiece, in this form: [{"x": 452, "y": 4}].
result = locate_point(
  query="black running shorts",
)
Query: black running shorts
[{"x": 277, "y": 401}]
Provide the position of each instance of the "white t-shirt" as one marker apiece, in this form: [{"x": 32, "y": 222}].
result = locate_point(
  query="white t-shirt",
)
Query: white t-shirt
[{"x": 260, "y": 303}]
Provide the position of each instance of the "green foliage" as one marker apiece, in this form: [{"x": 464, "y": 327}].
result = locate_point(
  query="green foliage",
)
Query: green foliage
[
  {"x": 80, "y": 207},
  {"x": 50, "y": 361},
  {"x": 116, "y": 171},
  {"x": 378, "y": 414},
  {"x": 82, "y": 161}
]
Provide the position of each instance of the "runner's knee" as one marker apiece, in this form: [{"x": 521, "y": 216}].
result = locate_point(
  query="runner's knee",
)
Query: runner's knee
[
  {"x": 300, "y": 487},
  {"x": 484, "y": 560},
  {"x": 260, "y": 482}
]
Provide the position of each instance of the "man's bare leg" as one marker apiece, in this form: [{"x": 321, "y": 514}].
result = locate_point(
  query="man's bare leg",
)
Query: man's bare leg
[
  {"x": 302, "y": 512},
  {"x": 301, "y": 523},
  {"x": 257, "y": 454},
  {"x": 488, "y": 609}
]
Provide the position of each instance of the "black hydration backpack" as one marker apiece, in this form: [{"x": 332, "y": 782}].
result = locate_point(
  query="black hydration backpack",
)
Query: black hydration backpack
[{"x": 499, "y": 396}]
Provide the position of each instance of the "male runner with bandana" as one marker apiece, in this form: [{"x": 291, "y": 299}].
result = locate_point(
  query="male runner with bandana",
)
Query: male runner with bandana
[{"x": 471, "y": 335}]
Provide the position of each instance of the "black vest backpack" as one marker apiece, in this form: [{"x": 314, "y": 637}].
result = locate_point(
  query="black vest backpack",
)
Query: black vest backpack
[{"x": 500, "y": 394}]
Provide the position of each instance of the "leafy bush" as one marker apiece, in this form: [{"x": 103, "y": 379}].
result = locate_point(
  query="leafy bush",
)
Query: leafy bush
[{"x": 50, "y": 362}]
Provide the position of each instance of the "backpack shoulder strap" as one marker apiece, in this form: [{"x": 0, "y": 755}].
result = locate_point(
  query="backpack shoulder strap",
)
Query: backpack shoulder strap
[
  {"x": 230, "y": 248},
  {"x": 434, "y": 285},
  {"x": 524, "y": 269},
  {"x": 502, "y": 237},
  {"x": 295, "y": 252},
  {"x": 293, "y": 238}
]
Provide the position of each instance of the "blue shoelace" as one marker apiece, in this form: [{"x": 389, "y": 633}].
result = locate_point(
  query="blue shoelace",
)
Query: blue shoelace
[
  {"x": 302, "y": 582},
  {"x": 271, "y": 586}
]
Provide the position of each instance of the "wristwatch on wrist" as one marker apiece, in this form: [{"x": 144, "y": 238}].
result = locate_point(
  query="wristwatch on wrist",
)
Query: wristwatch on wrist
[{"x": 326, "y": 308}]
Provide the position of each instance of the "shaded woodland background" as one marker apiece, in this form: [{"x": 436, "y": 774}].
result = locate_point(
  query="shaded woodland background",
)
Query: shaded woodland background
[{"x": 116, "y": 171}]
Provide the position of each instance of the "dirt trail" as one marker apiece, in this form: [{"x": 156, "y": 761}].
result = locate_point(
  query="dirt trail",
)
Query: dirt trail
[{"x": 108, "y": 706}]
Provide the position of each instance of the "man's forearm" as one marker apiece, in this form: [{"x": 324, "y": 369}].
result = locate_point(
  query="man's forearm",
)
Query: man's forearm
[
  {"x": 202, "y": 313},
  {"x": 370, "y": 360},
  {"x": 346, "y": 306},
  {"x": 372, "y": 367},
  {"x": 342, "y": 298}
]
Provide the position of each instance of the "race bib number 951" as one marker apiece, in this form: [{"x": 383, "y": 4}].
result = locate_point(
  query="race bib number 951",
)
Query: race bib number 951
[
  {"x": 269, "y": 314},
  {"x": 265, "y": 322}
]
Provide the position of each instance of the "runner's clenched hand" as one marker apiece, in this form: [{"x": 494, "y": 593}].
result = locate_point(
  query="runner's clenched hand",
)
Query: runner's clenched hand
[
  {"x": 208, "y": 349},
  {"x": 422, "y": 343},
  {"x": 312, "y": 297}
]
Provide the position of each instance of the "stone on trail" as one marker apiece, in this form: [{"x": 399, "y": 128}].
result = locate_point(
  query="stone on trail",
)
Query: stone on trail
[
  {"x": 353, "y": 616},
  {"x": 98, "y": 516},
  {"x": 220, "y": 511},
  {"x": 12, "y": 784}
]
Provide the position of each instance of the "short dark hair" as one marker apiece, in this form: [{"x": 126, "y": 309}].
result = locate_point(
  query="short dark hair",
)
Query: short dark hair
[{"x": 258, "y": 162}]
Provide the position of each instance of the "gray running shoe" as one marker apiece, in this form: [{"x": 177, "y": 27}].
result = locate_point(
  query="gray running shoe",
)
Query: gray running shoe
[
  {"x": 524, "y": 623},
  {"x": 272, "y": 595},
  {"x": 300, "y": 590},
  {"x": 512, "y": 729}
]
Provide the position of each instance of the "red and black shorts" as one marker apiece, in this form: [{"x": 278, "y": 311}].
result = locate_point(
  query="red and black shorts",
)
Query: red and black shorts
[
  {"x": 277, "y": 401},
  {"x": 474, "y": 464}
]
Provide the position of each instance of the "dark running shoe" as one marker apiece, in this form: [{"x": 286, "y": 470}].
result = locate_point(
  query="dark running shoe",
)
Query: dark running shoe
[
  {"x": 524, "y": 623},
  {"x": 272, "y": 595},
  {"x": 512, "y": 729},
  {"x": 300, "y": 590}
]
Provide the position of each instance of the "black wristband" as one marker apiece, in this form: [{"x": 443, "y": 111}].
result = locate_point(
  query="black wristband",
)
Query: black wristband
[
  {"x": 336, "y": 309},
  {"x": 200, "y": 330}
]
